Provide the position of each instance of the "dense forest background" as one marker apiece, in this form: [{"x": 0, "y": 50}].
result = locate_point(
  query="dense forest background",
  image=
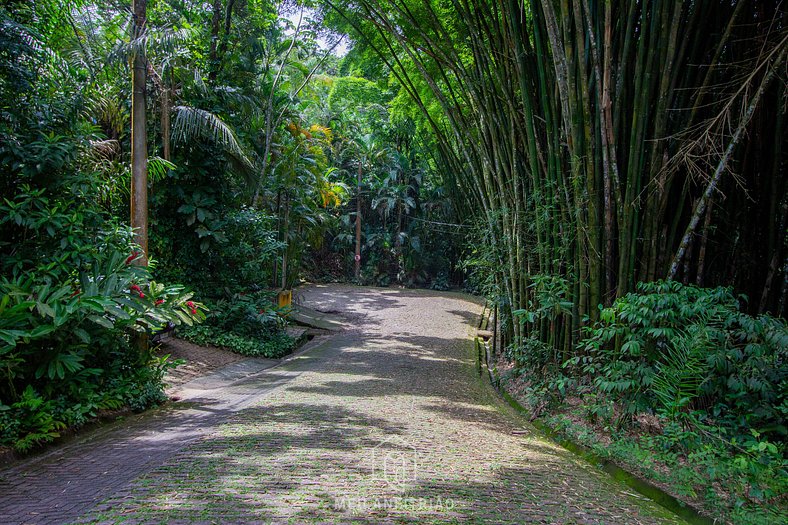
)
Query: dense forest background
[{"x": 609, "y": 174}]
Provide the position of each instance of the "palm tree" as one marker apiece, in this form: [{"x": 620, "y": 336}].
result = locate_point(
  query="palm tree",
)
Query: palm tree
[{"x": 368, "y": 153}]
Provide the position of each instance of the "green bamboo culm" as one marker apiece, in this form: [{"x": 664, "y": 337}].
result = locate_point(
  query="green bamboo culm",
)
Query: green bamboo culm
[{"x": 589, "y": 136}]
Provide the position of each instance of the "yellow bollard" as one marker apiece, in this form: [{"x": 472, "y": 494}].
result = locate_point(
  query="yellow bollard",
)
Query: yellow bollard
[{"x": 285, "y": 298}]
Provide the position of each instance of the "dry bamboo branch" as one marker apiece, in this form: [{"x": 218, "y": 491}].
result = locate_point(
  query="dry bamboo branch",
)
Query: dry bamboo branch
[{"x": 722, "y": 165}]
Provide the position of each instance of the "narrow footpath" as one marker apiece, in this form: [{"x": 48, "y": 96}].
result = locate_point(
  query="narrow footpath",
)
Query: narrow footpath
[{"x": 384, "y": 422}]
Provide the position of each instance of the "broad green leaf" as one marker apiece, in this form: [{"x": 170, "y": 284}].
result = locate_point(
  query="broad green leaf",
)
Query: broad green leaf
[{"x": 102, "y": 321}]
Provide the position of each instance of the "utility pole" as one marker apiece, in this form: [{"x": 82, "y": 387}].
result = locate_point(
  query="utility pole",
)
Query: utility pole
[
  {"x": 358, "y": 224},
  {"x": 139, "y": 136}
]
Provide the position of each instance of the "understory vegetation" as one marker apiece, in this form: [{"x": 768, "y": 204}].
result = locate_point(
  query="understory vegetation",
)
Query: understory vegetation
[
  {"x": 73, "y": 303},
  {"x": 246, "y": 152},
  {"x": 676, "y": 382}
]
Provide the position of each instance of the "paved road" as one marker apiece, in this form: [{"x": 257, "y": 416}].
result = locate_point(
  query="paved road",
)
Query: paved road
[{"x": 386, "y": 422}]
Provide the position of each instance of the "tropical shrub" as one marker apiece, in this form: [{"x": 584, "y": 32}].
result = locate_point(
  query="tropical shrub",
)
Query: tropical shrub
[
  {"x": 677, "y": 349},
  {"x": 71, "y": 298},
  {"x": 675, "y": 381},
  {"x": 246, "y": 323},
  {"x": 248, "y": 315}
]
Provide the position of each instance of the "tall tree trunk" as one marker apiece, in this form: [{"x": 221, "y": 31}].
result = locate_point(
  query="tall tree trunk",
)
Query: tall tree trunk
[
  {"x": 139, "y": 138},
  {"x": 704, "y": 240},
  {"x": 358, "y": 225},
  {"x": 775, "y": 261},
  {"x": 228, "y": 23},
  {"x": 285, "y": 239},
  {"x": 165, "y": 123},
  {"x": 213, "y": 57},
  {"x": 139, "y": 155}
]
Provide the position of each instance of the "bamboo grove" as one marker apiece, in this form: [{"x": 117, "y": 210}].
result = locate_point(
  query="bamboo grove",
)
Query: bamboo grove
[{"x": 601, "y": 143}]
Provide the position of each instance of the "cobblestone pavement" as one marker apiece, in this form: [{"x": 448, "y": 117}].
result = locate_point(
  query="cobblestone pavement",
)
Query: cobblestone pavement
[{"x": 387, "y": 422}]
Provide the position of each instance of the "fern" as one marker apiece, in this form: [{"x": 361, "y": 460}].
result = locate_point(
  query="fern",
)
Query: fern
[{"x": 682, "y": 370}]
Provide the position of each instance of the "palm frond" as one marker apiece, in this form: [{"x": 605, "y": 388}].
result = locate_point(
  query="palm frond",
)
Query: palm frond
[
  {"x": 106, "y": 149},
  {"x": 682, "y": 370},
  {"x": 108, "y": 111},
  {"x": 158, "y": 168},
  {"x": 194, "y": 123},
  {"x": 39, "y": 51},
  {"x": 165, "y": 42}
]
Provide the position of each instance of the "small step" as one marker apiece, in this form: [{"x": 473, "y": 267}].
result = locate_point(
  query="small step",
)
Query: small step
[
  {"x": 297, "y": 333},
  {"x": 484, "y": 334},
  {"x": 315, "y": 319}
]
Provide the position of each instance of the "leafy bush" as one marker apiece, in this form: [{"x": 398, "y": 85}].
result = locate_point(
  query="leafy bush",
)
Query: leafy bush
[
  {"x": 251, "y": 246},
  {"x": 237, "y": 248},
  {"x": 225, "y": 254},
  {"x": 70, "y": 299},
  {"x": 274, "y": 346},
  {"x": 441, "y": 282},
  {"x": 711, "y": 381},
  {"x": 246, "y": 314},
  {"x": 59, "y": 310},
  {"x": 34, "y": 419},
  {"x": 207, "y": 243},
  {"x": 30, "y": 421},
  {"x": 247, "y": 324},
  {"x": 676, "y": 349}
]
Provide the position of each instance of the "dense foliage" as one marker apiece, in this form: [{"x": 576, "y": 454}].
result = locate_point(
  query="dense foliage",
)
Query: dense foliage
[
  {"x": 690, "y": 389},
  {"x": 255, "y": 138},
  {"x": 71, "y": 294},
  {"x": 682, "y": 351},
  {"x": 588, "y": 166}
]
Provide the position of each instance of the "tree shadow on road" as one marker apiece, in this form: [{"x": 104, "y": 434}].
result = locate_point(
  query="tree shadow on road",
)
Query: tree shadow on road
[{"x": 302, "y": 463}]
